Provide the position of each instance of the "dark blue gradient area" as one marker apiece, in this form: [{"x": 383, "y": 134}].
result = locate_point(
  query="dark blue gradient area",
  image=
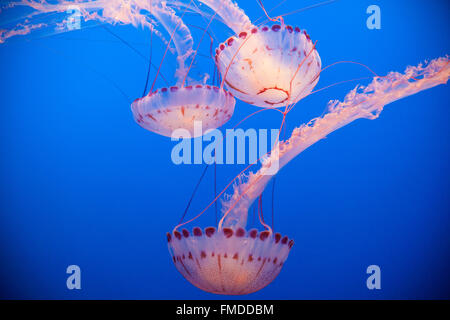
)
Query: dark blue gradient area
[{"x": 81, "y": 183}]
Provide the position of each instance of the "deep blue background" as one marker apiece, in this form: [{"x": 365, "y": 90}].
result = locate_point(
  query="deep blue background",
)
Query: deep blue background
[{"x": 81, "y": 183}]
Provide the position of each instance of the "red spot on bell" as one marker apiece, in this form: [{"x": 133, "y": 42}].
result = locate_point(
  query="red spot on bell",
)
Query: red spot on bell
[
  {"x": 210, "y": 231},
  {"x": 277, "y": 237},
  {"x": 253, "y": 233},
  {"x": 263, "y": 235},
  {"x": 185, "y": 233},
  {"x": 240, "y": 232},
  {"x": 227, "y": 232},
  {"x": 177, "y": 235},
  {"x": 276, "y": 27},
  {"x": 169, "y": 237},
  {"x": 197, "y": 231},
  {"x": 291, "y": 243}
]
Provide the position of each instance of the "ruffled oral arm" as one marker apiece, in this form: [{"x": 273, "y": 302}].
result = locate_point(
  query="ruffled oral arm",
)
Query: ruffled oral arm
[{"x": 361, "y": 102}]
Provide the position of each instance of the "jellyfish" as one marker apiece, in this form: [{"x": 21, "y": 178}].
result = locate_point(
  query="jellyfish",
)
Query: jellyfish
[
  {"x": 167, "y": 109},
  {"x": 285, "y": 53},
  {"x": 268, "y": 66},
  {"x": 230, "y": 260},
  {"x": 163, "y": 110}
]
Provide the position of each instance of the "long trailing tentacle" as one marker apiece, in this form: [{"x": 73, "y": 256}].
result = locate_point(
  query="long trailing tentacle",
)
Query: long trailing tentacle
[
  {"x": 193, "y": 193},
  {"x": 58, "y": 15},
  {"x": 233, "y": 16},
  {"x": 362, "y": 102},
  {"x": 180, "y": 35}
]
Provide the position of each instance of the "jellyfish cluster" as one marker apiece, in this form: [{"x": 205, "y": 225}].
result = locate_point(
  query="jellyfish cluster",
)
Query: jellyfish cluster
[{"x": 270, "y": 65}]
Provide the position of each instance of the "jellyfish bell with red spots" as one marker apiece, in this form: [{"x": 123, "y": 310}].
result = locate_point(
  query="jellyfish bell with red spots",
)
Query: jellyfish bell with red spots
[
  {"x": 168, "y": 109},
  {"x": 269, "y": 66},
  {"x": 228, "y": 261}
]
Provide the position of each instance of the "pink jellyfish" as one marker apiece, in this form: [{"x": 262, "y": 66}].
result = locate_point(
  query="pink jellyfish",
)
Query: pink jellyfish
[
  {"x": 168, "y": 109},
  {"x": 179, "y": 107},
  {"x": 161, "y": 111},
  {"x": 266, "y": 66},
  {"x": 230, "y": 260}
]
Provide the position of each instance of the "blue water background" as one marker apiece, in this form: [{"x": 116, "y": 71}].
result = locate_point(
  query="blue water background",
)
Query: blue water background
[{"x": 81, "y": 183}]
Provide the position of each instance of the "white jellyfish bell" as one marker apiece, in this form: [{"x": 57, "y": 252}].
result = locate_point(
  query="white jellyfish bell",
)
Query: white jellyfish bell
[
  {"x": 168, "y": 109},
  {"x": 267, "y": 66},
  {"x": 229, "y": 261}
]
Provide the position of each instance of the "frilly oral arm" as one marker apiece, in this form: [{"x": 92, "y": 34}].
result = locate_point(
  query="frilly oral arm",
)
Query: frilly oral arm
[{"x": 361, "y": 102}]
